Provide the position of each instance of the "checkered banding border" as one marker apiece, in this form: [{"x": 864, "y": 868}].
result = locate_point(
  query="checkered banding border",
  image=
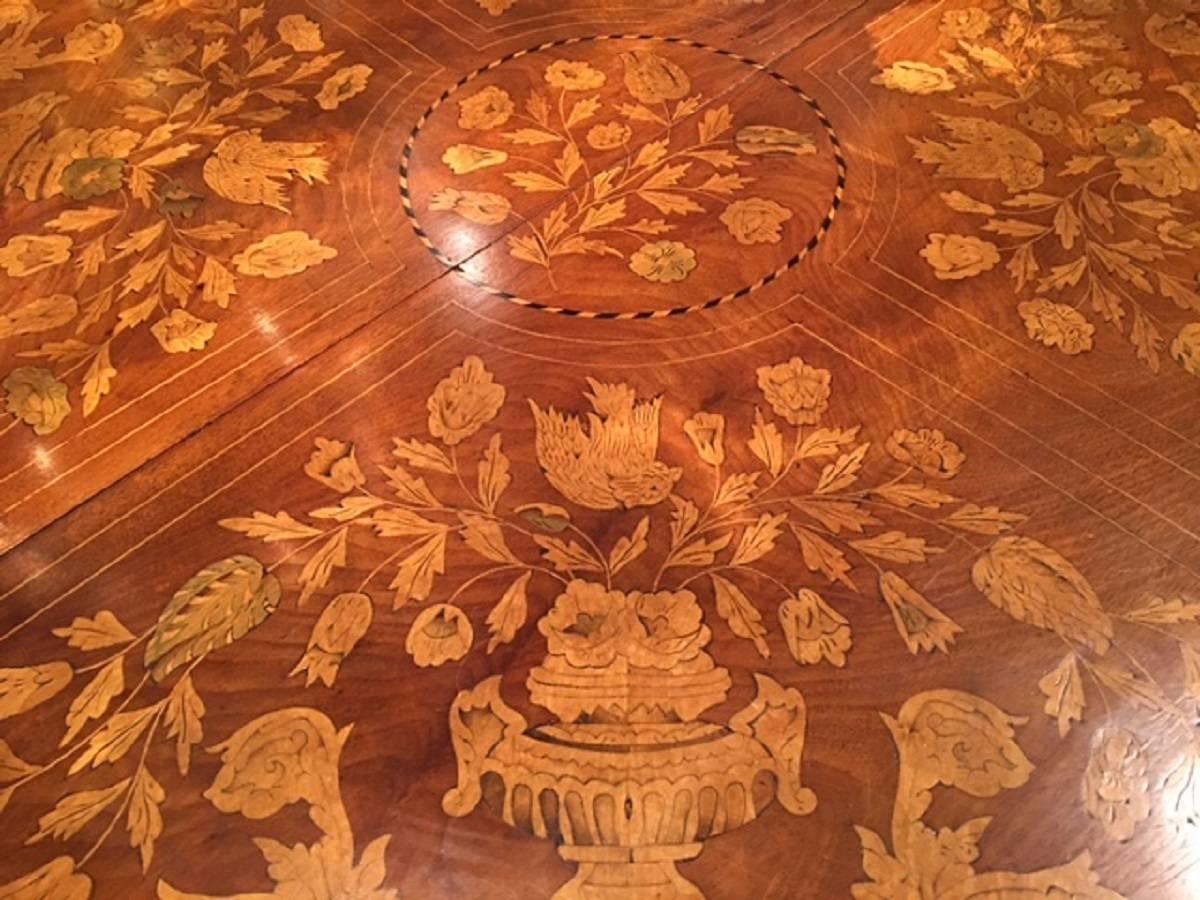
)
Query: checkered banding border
[{"x": 712, "y": 303}]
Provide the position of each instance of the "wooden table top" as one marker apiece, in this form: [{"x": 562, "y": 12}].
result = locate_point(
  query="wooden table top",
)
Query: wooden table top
[{"x": 600, "y": 450}]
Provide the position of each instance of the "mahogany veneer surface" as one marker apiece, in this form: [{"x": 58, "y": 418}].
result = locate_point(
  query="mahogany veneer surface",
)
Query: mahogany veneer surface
[{"x": 600, "y": 451}]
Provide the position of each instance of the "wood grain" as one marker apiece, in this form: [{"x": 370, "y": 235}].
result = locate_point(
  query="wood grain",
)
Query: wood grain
[{"x": 507, "y": 448}]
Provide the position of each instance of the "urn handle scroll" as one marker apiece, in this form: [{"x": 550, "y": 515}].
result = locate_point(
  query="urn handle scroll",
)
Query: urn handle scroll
[
  {"x": 776, "y": 719},
  {"x": 479, "y": 721}
]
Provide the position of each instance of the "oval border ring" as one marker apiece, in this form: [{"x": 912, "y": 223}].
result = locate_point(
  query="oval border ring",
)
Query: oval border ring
[{"x": 611, "y": 315}]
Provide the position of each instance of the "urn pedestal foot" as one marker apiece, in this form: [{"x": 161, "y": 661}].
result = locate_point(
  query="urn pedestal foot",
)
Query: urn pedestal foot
[{"x": 623, "y": 873}]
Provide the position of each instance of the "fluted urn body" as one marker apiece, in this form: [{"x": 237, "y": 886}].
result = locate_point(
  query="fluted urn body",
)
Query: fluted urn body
[{"x": 628, "y": 780}]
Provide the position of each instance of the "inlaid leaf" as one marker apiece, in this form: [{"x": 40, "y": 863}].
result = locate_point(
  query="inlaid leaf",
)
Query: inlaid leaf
[
  {"x": 545, "y": 517},
  {"x": 533, "y": 182},
  {"x": 183, "y": 717},
  {"x": 97, "y": 382},
  {"x": 1038, "y": 586},
  {"x": 627, "y": 549},
  {"x": 603, "y": 183},
  {"x": 825, "y": 442},
  {"x": 1063, "y": 276},
  {"x": 766, "y": 443},
  {"x": 218, "y": 284},
  {"x": 21, "y": 689},
  {"x": 638, "y": 113},
  {"x": 582, "y": 110},
  {"x": 714, "y": 123},
  {"x": 758, "y": 539},
  {"x": 105, "y": 630},
  {"x": 1184, "y": 295},
  {"x": 133, "y": 315},
  {"x": 686, "y": 107},
  {"x": 320, "y": 566},
  {"x": 983, "y": 519},
  {"x": 74, "y": 811},
  {"x": 739, "y": 613},
  {"x": 486, "y": 538},
  {"x": 602, "y": 215},
  {"x": 960, "y": 202},
  {"x": 1160, "y": 611},
  {"x": 94, "y": 699},
  {"x": 144, "y": 819},
  {"x": 1152, "y": 209},
  {"x": 144, "y": 115},
  {"x": 702, "y": 552},
  {"x": 1134, "y": 688},
  {"x": 1063, "y": 688},
  {"x": 666, "y": 177},
  {"x": 837, "y": 515},
  {"x": 822, "y": 556},
  {"x": 494, "y": 474},
  {"x": 1080, "y": 165},
  {"x": 1015, "y": 228},
  {"x": 422, "y": 455},
  {"x": 169, "y": 155},
  {"x": 1098, "y": 209},
  {"x": 1023, "y": 266},
  {"x": 1111, "y": 107},
  {"x": 577, "y": 243},
  {"x": 527, "y": 248},
  {"x": 843, "y": 472},
  {"x": 684, "y": 516},
  {"x": 737, "y": 488},
  {"x": 1146, "y": 339},
  {"x": 409, "y": 488},
  {"x": 650, "y": 154},
  {"x": 141, "y": 185},
  {"x": 507, "y": 616},
  {"x": 270, "y": 528},
  {"x": 555, "y": 224},
  {"x": 215, "y": 607},
  {"x": 719, "y": 159},
  {"x": 538, "y": 107},
  {"x": 73, "y": 220},
  {"x": 651, "y": 226},
  {"x": 221, "y": 230},
  {"x": 414, "y": 579},
  {"x": 567, "y": 556},
  {"x": 314, "y": 66},
  {"x": 12, "y": 767},
  {"x": 921, "y": 625},
  {"x": 1121, "y": 264},
  {"x": 114, "y": 738},
  {"x": 1191, "y": 670},
  {"x": 670, "y": 204},
  {"x": 988, "y": 99},
  {"x": 246, "y": 169}
]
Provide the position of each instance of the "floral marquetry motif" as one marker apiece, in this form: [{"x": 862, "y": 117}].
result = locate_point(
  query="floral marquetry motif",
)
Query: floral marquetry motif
[
  {"x": 522, "y": 449},
  {"x": 137, "y": 219},
  {"x": 1098, "y": 161},
  {"x": 627, "y": 160}
]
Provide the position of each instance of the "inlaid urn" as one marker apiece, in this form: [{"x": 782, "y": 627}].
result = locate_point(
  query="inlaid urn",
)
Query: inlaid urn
[{"x": 628, "y": 780}]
